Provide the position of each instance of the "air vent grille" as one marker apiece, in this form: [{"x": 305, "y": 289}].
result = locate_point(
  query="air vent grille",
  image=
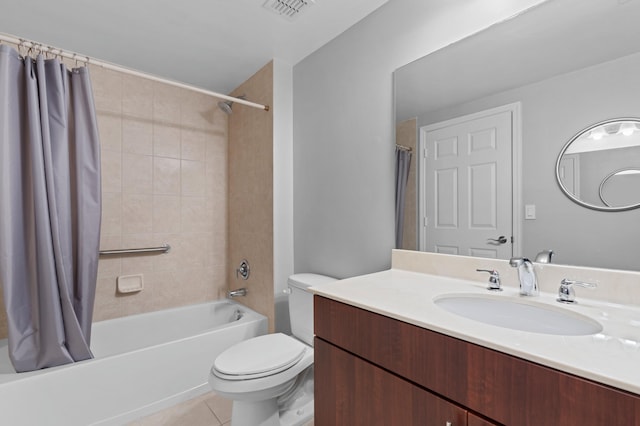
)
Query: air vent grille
[{"x": 288, "y": 9}]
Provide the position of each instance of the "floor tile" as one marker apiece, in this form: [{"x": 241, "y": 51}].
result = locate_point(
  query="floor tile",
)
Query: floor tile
[
  {"x": 205, "y": 410},
  {"x": 194, "y": 412},
  {"x": 220, "y": 406}
]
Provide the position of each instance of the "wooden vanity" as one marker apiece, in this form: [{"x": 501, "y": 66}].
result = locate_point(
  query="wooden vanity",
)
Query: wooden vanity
[{"x": 371, "y": 369}]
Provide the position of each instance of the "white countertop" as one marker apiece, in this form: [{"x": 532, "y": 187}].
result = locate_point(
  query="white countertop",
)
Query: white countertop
[{"x": 611, "y": 357}]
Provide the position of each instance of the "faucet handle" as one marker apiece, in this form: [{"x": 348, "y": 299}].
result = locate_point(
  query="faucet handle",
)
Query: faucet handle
[
  {"x": 494, "y": 279},
  {"x": 566, "y": 293}
]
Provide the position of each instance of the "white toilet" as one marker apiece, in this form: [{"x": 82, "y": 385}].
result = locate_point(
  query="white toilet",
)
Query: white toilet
[{"x": 270, "y": 377}]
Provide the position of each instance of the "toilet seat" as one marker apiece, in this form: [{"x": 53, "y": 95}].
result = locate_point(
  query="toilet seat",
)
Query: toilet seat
[{"x": 259, "y": 357}]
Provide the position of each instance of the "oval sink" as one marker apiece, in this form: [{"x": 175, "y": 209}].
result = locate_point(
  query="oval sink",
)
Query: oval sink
[{"x": 519, "y": 316}]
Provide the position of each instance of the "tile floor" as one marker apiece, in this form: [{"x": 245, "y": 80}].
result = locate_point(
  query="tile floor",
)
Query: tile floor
[{"x": 205, "y": 410}]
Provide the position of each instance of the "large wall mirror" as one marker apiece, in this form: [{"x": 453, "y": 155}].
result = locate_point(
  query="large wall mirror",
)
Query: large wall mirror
[{"x": 568, "y": 65}]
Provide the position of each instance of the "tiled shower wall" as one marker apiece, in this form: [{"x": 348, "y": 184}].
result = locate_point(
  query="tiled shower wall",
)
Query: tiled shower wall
[
  {"x": 251, "y": 193},
  {"x": 164, "y": 180}
]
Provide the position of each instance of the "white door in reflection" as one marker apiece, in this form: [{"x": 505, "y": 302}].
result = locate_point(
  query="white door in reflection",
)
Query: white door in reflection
[{"x": 466, "y": 185}]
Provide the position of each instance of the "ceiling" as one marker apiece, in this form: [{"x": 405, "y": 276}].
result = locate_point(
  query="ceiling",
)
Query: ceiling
[{"x": 213, "y": 44}]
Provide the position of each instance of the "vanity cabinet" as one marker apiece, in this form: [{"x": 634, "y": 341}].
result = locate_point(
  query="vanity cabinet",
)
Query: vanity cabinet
[{"x": 372, "y": 369}]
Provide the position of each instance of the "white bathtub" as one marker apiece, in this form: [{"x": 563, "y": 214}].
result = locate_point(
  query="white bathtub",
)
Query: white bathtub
[{"x": 143, "y": 363}]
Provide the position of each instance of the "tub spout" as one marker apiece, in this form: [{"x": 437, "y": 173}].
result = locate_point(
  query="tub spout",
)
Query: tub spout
[{"x": 238, "y": 292}]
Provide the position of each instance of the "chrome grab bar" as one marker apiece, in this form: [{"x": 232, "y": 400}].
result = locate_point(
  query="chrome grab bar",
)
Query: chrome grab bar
[{"x": 163, "y": 249}]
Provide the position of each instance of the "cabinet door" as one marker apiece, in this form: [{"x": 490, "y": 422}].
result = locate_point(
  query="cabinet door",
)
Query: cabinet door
[{"x": 350, "y": 391}]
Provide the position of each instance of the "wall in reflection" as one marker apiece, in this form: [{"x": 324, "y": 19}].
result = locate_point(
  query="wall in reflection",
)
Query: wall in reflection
[{"x": 553, "y": 111}]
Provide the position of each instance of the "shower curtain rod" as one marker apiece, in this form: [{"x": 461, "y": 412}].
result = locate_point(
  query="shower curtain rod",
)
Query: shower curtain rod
[{"x": 88, "y": 60}]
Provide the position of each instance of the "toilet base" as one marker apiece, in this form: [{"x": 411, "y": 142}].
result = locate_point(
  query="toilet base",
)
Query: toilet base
[
  {"x": 255, "y": 413},
  {"x": 298, "y": 416}
]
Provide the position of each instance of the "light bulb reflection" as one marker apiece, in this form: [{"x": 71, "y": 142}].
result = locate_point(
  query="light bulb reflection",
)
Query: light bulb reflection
[
  {"x": 627, "y": 129},
  {"x": 597, "y": 133}
]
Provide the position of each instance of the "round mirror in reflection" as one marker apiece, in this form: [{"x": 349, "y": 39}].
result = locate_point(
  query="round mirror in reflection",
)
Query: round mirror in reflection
[
  {"x": 621, "y": 188},
  {"x": 599, "y": 167}
]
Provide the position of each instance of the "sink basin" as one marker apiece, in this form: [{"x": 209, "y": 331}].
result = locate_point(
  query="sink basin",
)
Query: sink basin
[{"x": 513, "y": 314}]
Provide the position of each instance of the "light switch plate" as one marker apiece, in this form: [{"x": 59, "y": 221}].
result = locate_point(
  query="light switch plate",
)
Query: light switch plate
[{"x": 530, "y": 211}]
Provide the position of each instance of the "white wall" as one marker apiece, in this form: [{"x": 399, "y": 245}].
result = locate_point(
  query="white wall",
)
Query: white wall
[
  {"x": 282, "y": 189},
  {"x": 344, "y": 128}
]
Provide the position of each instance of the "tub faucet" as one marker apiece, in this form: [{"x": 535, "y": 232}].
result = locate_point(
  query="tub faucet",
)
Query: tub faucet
[
  {"x": 528, "y": 280},
  {"x": 238, "y": 292}
]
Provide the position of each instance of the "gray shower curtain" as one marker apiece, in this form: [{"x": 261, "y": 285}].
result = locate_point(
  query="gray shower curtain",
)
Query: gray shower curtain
[
  {"x": 403, "y": 161},
  {"x": 50, "y": 208}
]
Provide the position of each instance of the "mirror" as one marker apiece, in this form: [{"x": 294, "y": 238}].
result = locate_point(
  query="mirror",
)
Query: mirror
[
  {"x": 599, "y": 167},
  {"x": 569, "y": 63}
]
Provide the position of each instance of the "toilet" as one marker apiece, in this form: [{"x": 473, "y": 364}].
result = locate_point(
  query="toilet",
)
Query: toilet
[{"x": 270, "y": 377}]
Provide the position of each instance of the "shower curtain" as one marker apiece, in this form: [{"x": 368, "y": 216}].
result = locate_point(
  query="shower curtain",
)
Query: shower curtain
[
  {"x": 50, "y": 208},
  {"x": 403, "y": 162}
]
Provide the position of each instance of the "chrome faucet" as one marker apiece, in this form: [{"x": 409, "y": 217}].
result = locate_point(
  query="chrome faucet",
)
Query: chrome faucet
[
  {"x": 528, "y": 280},
  {"x": 566, "y": 293},
  {"x": 544, "y": 256},
  {"x": 238, "y": 292},
  {"x": 494, "y": 279}
]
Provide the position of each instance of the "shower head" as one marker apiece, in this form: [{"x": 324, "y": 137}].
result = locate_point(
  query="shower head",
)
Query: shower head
[{"x": 227, "y": 106}]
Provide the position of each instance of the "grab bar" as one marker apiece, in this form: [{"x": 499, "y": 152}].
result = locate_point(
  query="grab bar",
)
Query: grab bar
[{"x": 164, "y": 249}]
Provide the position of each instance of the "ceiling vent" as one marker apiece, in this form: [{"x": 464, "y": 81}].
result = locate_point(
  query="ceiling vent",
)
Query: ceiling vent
[{"x": 288, "y": 9}]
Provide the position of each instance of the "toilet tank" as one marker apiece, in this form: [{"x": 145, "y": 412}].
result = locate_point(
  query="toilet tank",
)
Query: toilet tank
[{"x": 301, "y": 304}]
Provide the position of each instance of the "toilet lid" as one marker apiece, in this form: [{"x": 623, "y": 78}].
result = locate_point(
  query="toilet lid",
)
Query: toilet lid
[{"x": 259, "y": 357}]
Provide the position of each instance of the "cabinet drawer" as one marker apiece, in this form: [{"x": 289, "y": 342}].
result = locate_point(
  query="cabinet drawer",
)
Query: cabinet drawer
[{"x": 350, "y": 391}]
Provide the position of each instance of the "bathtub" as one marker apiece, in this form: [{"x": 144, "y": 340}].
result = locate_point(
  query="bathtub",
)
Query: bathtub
[{"x": 143, "y": 363}]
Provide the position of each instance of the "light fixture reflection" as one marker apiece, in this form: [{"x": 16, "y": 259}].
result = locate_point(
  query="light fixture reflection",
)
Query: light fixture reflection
[
  {"x": 597, "y": 133},
  {"x": 627, "y": 129}
]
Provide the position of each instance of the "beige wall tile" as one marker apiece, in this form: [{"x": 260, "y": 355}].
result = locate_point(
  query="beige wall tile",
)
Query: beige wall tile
[
  {"x": 166, "y": 176},
  {"x": 166, "y": 140},
  {"x": 110, "y": 130},
  {"x": 193, "y": 145},
  {"x": 111, "y": 170},
  {"x": 216, "y": 145},
  {"x": 137, "y": 136},
  {"x": 137, "y": 174},
  {"x": 167, "y": 104},
  {"x": 193, "y": 178},
  {"x": 137, "y": 211},
  {"x": 199, "y": 111},
  {"x": 167, "y": 213},
  {"x": 111, "y": 214},
  {"x": 107, "y": 89},
  {"x": 137, "y": 97},
  {"x": 193, "y": 215}
]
